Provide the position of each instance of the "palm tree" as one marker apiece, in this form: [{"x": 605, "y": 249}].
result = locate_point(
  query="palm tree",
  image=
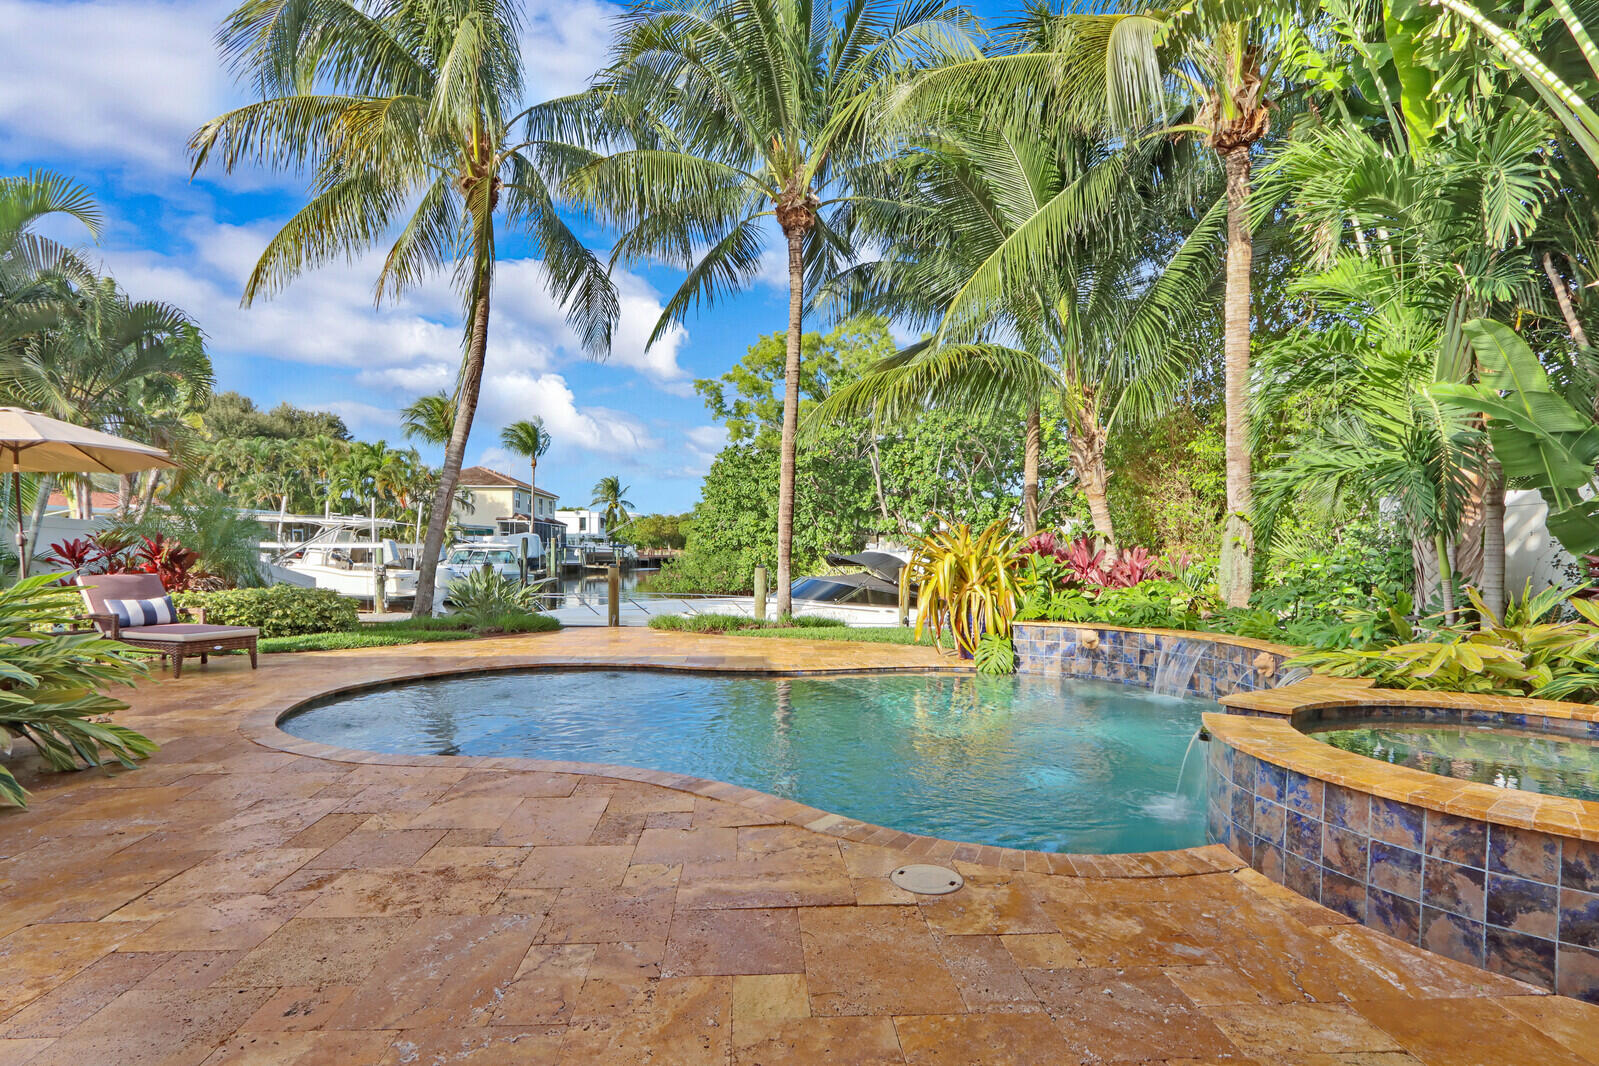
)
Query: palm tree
[
  {"x": 36, "y": 273},
  {"x": 732, "y": 112},
  {"x": 429, "y": 418},
  {"x": 610, "y": 493},
  {"x": 1105, "y": 71},
  {"x": 408, "y": 116},
  {"x": 109, "y": 362},
  {"x": 1096, "y": 322},
  {"x": 530, "y": 440}
]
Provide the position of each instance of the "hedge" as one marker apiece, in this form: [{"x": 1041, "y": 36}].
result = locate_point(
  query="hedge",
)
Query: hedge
[{"x": 277, "y": 610}]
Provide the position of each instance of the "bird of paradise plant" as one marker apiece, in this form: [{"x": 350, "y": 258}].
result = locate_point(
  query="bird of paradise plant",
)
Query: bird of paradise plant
[{"x": 967, "y": 582}]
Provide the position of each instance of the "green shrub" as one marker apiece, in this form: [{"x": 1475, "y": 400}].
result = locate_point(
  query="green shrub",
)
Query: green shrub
[
  {"x": 277, "y": 610},
  {"x": 719, "y": 573},
  {"x": 54, "y": 692}
]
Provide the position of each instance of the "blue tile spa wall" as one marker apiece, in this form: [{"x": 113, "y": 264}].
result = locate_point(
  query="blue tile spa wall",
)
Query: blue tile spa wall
[
  {"x": 1514, "y": 901},
  {"x": 1133, "y": 658}
]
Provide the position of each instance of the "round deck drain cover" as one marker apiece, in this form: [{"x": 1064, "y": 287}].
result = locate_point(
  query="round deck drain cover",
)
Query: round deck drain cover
[{"x": 927, "y": 880}]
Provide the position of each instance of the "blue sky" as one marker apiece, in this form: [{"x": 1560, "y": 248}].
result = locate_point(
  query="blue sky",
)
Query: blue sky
[{"x": 108, "y": 91}]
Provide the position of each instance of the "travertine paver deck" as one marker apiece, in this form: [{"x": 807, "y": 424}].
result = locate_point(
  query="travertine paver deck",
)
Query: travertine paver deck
[{"x": 232, "y": 902}]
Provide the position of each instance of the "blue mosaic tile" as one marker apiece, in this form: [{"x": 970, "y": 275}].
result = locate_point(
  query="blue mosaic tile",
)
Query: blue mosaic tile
[
  {"x": 1526, "y": 958},
  {"x": 1397, "y": 823},
  {"x": 1303, "y": 794},
  {"x": 1395, "y": 915},
  {"x": 1344, "y": 851},
  {"x": 1524, "y": 906},
  {"x": 1303, "y": 836},
  {"x": 1395, "y": 869}
]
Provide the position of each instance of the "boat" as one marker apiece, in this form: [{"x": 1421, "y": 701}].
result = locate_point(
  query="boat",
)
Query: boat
[
  {"x": 868, "y": 596},
  {"x": 340, "y": 552},
  {"x": 502, "y": 554}
]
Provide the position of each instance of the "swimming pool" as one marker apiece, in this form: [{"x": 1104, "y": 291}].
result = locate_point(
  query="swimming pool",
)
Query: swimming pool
[{"x": 1024, "y": 761}]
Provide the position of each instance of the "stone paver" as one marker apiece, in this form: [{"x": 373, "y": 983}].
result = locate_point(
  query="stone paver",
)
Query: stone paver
[{"x": 244, "y": 897}]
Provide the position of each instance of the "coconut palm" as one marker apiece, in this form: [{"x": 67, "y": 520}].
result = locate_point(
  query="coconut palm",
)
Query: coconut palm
[
  {"x": 611, "y": 494},
  {"x": 1217, "y": 67},
  {"x": 429, "y": 418},
  {"x": 735, "y": 112},
  {"x": 530, "y": 440},
  {"x": 408, "y": 116},
  {"x": 1096, "y": 324}
]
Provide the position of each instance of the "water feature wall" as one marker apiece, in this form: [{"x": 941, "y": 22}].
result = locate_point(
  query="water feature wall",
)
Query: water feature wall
[{"x": 1204, "y": 665}]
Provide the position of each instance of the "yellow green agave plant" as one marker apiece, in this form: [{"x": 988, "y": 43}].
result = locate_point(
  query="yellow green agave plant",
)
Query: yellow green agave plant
[{"x": 964, "y": 581}]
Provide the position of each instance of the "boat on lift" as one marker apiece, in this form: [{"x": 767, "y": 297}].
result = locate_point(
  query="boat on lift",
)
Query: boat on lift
[
  {"x": 502, "y": 554},
  {"x": 338, "y": 552}
]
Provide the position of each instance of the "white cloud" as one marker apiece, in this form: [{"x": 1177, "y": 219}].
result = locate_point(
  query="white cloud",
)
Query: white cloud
[
  {"x": 114, "y": 79},
  {"x": 510, "y": 395},
  {"x": 563, "y": 43},
  {"x": 364, "y": 419},
  {"x": 126, "y": 82}
]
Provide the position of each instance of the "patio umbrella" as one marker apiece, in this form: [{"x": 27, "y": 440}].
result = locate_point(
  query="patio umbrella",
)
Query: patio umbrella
[{"x": 40, "y": 444}]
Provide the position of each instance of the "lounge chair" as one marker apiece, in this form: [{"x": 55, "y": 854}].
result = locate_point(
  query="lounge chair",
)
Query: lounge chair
[{"x": 175, "y": 640}]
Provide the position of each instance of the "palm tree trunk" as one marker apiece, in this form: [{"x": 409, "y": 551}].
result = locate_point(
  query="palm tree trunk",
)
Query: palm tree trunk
[
  {"x": 147, "y": 494},
  {"x": 532, "y": 491},
  {"x": 791, "y": 377},
  {"x": 1563, "y": 297},
  {"x": 1236, "y": 572},
  {"x": 1032, "y": 450},
  {"x": 1446, "y": 576},
  {"x": 124, "y": 494},
  {"x": 1088, "y": 458},
  {"x": 1493, "y": 540},
  {"x": 876, "y": 458},
  {"x": 466, "y": 407}
]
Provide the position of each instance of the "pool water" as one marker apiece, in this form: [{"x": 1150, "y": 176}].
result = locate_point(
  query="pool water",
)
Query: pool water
[
  {"x": 1509, "y": 758},
  {"x": 1024, "y": 762}
]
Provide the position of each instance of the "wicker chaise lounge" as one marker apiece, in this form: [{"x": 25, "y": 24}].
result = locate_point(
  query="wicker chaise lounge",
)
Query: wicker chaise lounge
[{"x": 174, "y": 640}]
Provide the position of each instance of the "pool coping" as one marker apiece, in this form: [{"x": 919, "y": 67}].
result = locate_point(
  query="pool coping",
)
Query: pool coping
[{"x": 262, "y": 726}]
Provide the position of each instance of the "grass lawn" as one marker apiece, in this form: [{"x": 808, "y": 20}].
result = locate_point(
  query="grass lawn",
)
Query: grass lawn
[
  {"x": 409, "y": 631},
  {"x": 801, "y": 628}
]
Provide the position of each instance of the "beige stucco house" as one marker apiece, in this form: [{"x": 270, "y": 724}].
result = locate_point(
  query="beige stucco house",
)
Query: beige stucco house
[{"x": 498, "y": 500}]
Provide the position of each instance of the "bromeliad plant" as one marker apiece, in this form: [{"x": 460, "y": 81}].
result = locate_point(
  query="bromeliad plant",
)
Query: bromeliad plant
[
  {"x": 52, "y": 685},
  {"x": 1529, "y": 652},
  {"x": 965, "y": 582}
]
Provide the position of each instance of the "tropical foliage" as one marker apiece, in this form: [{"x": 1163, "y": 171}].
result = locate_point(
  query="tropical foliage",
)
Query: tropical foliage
[
  {"x": 965, "y": 583},
  {"x": 410, "y": 119},
  {"x": 53, "y": 685}
]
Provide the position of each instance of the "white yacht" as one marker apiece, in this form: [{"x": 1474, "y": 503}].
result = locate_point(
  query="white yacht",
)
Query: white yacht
[
  {"x": 503, "y": 554},
  {"x": 338, "y": 552}
]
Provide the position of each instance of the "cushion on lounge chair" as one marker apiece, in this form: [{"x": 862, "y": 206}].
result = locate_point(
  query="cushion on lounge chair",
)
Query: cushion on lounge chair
[
  {"x": 156, "y": 611},
  {"x": 98, "y": 588},
  {"x": 190, "y": 633}
]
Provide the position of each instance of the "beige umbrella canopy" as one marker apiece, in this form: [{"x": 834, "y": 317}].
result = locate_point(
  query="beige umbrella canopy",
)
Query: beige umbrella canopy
[{"x": 40, "y": 444}]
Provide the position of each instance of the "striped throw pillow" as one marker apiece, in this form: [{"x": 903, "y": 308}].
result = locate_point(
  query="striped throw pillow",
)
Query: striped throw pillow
[{"x": 133, "y": 613}]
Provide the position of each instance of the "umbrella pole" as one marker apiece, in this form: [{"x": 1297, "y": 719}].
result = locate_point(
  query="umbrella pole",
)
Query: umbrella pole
[{"x": 22, "y": 535}]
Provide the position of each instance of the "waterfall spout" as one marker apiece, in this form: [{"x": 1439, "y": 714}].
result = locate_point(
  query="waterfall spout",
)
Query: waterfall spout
[{"x": 1175, "y": 669}]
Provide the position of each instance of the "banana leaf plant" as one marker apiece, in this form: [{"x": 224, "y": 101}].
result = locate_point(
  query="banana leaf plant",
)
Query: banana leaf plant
[
  {"x": 53, "y": 685},
  {"x": 967, "y": 582},
  {"x": 1540, "y": 439}
]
